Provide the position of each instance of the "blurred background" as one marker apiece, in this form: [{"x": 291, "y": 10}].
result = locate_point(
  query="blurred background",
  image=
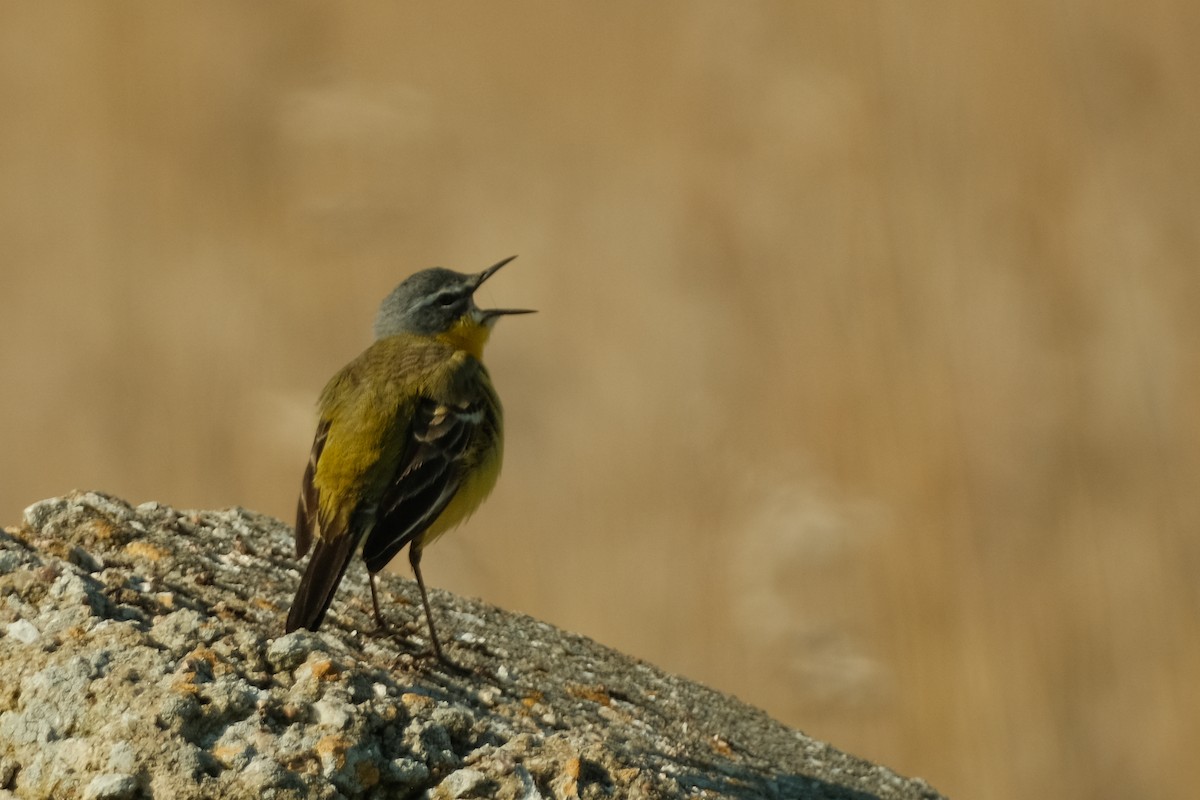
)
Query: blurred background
[{"x": 865, "y": 381}]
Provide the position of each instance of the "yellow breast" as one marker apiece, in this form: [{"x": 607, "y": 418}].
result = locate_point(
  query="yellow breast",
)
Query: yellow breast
[{"x": 477, "y": 485}]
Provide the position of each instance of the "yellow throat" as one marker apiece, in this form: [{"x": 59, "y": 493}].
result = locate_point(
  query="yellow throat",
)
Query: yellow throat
[{"x": 468, "y": 334}]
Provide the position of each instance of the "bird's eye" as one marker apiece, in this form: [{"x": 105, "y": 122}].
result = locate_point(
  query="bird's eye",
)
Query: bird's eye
[{"x": 446, "y": 300}]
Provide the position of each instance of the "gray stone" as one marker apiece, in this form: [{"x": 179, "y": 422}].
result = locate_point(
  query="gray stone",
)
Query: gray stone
[
  {"x": 113, "y": 786},
  {"x": 23, "y": 631},
  {"x": 292, "y": 650},
  {"x": 166, "y": 674},
  {"x": 460, "y": 783},
  {"x": 9, "y": 559}
]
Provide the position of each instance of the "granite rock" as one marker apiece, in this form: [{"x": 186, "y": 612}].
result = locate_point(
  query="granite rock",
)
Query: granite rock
[{"x": 142, "y": 656}]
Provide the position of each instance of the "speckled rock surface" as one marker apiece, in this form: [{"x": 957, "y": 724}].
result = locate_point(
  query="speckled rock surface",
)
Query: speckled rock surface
[{"x": 141, "y": 656}]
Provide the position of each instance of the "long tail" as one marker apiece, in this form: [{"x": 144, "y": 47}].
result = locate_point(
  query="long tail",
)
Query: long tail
[{"x": 324, "y": 572}]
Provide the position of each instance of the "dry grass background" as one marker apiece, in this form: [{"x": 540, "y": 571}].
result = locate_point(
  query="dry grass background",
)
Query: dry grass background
[{"x": 864, "y": 384}]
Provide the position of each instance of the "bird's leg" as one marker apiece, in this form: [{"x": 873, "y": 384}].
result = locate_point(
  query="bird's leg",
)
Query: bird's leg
[
  {"x": 379, "y": 620},
  {"x": 414, "y": 558}
]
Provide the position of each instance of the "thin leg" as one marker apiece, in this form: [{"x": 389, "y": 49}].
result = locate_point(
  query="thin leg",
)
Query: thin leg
[
  {"x": 379, "y": 620},
  {"x": 414, "y": 558}
]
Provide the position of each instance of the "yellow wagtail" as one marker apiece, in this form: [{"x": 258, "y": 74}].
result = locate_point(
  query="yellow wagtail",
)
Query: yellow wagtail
[{"x": 409, "y": 441}]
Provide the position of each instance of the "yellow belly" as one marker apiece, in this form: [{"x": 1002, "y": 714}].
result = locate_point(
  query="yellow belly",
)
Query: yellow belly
[{"x": 475, "y": 488}]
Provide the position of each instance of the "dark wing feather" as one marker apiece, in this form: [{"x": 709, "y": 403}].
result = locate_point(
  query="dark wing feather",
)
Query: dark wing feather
[
  {"x": 428, "y": 476},
  {"x": 325, "y": 570},
  {"x": 330, "y": 558},
  {"x": 306, "y": 508}
]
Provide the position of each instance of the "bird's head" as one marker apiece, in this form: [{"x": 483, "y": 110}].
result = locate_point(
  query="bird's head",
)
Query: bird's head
[{"x": 441, "y": 301}]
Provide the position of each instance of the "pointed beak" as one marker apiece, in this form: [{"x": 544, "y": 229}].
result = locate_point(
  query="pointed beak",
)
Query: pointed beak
[
  {"x": 487, "y": 273},
  {"x": 489, "y": 315}
]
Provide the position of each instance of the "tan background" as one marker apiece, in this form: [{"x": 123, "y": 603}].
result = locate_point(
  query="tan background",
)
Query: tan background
[{"x": 865, "y": 383}]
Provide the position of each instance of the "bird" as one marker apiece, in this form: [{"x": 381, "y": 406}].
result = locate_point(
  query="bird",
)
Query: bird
[{"x": 409, "y": 441}]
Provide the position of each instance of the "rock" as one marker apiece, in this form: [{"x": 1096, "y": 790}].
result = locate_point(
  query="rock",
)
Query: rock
[
  {"x": 142, "y": 655},
  {"x": 460, "y": 783},
  {"x": 112, "y": 786}
]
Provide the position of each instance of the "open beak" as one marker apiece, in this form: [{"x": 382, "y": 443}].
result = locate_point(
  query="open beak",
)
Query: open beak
[
  {"x": 487, "y": 273},
  {"x": 489, "y": 314}
]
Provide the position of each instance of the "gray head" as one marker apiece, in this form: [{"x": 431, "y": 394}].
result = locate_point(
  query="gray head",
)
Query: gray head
[{"x": 433, "y": 300}]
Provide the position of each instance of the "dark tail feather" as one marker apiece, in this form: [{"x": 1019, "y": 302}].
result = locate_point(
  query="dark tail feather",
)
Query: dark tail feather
[{"x": 326, "y": 566}]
